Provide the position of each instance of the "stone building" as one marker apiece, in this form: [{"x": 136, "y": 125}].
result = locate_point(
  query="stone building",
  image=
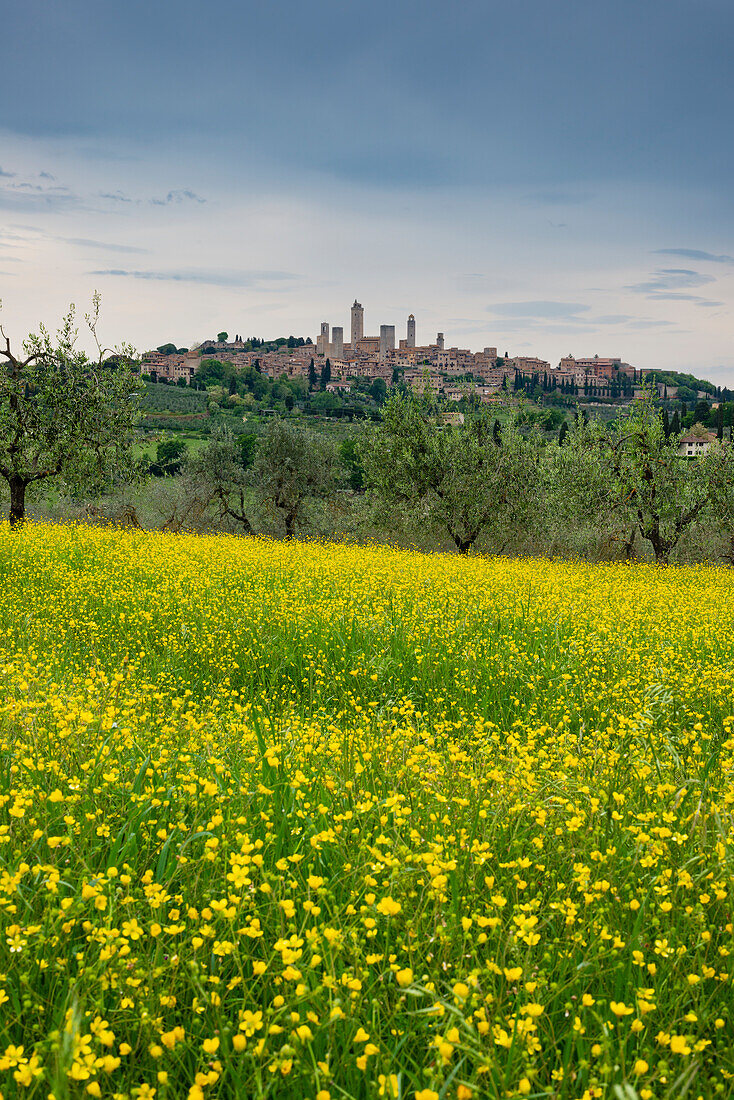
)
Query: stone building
[{"x": 357, "y": 323}]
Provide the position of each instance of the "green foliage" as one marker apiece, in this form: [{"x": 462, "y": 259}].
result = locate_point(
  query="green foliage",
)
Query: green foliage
[
  {"x": 636, "y": 479},
  {"x": 292, "y": 466},
  {"x": 210, "y": 371},
  {"x": 247, "y": 446},
  {"x": 702, "y": 413},
  {"x": 325, "y": 402},
  {"x": 170, "y": 456},
  {"x": 378, "y": 391},
  {"x": 549, "y": 420},
  {"x": 678, "y": 378},
  {"x": 219, "y": 478},
  {"x": 351, "y": 457},
  {"x": 63, "y": 415},
  {"x": 454, "y": 474}
]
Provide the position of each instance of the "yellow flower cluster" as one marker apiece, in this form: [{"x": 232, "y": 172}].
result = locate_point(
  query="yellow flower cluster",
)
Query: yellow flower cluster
[{"x": 321, "y": 821}]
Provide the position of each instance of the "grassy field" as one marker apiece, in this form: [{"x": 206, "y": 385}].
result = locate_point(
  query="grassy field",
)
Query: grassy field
[
  {"x": 316, "y": 821},
  {"x": 147, "y": 444}
]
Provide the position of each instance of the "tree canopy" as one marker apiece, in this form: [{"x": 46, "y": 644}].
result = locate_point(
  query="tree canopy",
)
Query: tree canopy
[
  {"x": 457, "y": 474},
  {"x": 63, "y": 415},
  {"x": 636, "y": 479}
]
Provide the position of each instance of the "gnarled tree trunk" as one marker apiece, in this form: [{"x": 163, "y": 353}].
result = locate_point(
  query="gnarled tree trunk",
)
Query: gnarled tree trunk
[
  {"x": 661, "y": 546},
  {"x": 290, "y": 525},
  {"x": 18, "y": 486},
  {"x": 463, "y": 543}
]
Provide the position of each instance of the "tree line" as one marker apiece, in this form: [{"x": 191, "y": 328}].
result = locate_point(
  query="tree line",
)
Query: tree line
[{"x": 481, "y": 480}]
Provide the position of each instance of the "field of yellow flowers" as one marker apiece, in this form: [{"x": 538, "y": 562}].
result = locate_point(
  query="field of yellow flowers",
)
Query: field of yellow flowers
[{"x": 321, "y": 821}]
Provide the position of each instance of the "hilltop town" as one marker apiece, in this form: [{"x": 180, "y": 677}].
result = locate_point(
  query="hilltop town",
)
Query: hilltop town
[{"x": 445, "y": 369}]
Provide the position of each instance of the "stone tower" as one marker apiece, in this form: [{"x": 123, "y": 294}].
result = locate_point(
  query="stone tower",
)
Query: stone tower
[
  {"x": 439, "y": 341},
  {"x": 387, "y": 340},
  {"x": 322, "y": 343},
  {"x": 337, "y": 342},
  {"x": 410, "y": 342},
  {"x": 357, "y": 322}
]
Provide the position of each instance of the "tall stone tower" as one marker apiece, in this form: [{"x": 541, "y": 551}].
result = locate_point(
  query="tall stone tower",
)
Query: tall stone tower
[
  {"x": 357, "y": 323},
  {"x": 387, "y": 340},
  {"x": 439, "y": 341},
  {"x": 410, "y": 342},
  {"x": 337, "y": 342},
  {"x": 322, "y": 343}
]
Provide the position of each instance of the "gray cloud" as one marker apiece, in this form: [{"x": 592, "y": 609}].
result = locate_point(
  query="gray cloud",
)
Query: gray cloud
[
  {"x": 252, "y": 279},
  {"x": 539, "y": 309},
  {"x": 695, "y": 254},
  {"x": 7, "y": 175},
  {"x": 30, "y": 198},
  {"x": 26, "y": 185},
  {"x": 83, "y": 242},
  {"x": 178, "y": 197},
  {"x": 559, "y": 317},
  {"x": 172, "y": 198},
  {"x": 673, "y": 296},
  {"x": 670, "y": 279},
  {"x": 115, "y": 196}
]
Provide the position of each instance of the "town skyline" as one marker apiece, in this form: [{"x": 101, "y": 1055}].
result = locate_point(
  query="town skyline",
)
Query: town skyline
[
  {"x": 388, "y": 359},
  {"x": 387, "y": 345}
]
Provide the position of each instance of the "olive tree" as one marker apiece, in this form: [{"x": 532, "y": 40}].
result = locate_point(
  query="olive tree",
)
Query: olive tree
[
  {"x": 64, "y": 415},
  {"x": 292, "y": 466},
  {"x": 219, "y": 477},
  {"x": 281, "y": 471},
  {"x": 634, "y": 478},
  {"x": 462, "y": 477}
]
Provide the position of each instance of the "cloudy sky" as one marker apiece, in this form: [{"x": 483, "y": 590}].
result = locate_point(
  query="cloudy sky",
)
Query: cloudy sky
[{"x": 546, "y": 176}]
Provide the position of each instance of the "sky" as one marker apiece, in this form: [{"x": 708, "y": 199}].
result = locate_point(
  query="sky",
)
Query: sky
[{"x": 543, "y": 177}]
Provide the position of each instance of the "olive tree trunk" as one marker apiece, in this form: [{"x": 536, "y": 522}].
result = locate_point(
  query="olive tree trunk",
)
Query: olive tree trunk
[{"x": 18, "y": 486}]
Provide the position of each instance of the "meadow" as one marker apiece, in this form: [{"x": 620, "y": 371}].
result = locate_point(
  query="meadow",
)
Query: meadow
[{"x": 331, "y": 822}]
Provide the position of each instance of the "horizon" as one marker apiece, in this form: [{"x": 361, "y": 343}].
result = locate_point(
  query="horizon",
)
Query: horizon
[{"x": 543, "y": 182}]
